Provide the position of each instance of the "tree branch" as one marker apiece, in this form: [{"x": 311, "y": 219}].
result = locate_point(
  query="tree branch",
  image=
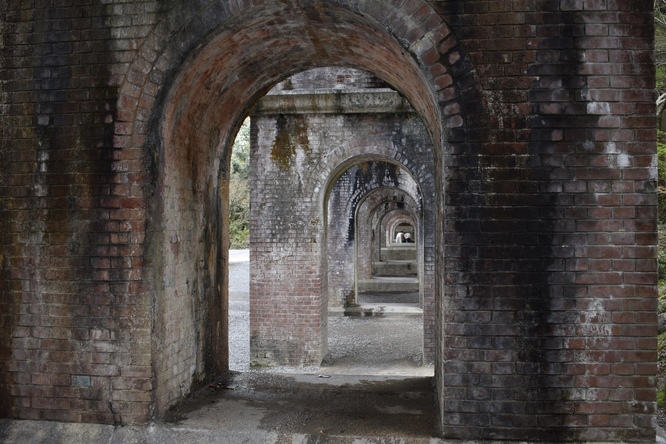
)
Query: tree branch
[
  {"x": 661, "y": 101},
  {"x": 660, "y": 12}
]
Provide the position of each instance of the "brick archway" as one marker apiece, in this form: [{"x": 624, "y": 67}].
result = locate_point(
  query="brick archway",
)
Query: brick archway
[
  {"x": 393, "y": 224},
  {"x": 379, "y": 207},
  {"x": 419, "y": 186},
  {"x": 191, "y": 155},
  {"x": 115, "y": 126},
  {"x": 344, "y": 229},
  {"x": 377, "y": 210}
]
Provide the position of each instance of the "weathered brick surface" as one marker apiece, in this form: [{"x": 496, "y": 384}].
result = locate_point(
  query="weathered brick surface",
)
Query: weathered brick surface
[
  {"x": 72, "y": 231},
  {"x": 115, "y": 121},
  {"x": 543, "y": 260},
  {"x": 374, "y": 216},
  {"x": 307, "y": 161}
]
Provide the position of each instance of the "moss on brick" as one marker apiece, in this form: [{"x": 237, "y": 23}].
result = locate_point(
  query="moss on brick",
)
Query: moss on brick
[{"x": 291, "y": 133}]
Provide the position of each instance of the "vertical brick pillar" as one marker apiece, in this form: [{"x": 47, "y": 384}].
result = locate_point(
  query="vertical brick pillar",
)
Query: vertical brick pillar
[
  {"x": 74, "y": 300},
  {"x": 341, "y": 239},
  {"x": 549, "y": 320},
  {"x": 287, "y": 306}
]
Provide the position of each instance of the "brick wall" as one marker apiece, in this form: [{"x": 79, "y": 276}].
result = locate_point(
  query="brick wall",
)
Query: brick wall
[
  {"x": 115, "y": 122},
  {"x": 550, "y": 223},
  {"x": 340, "y": 242},
  {"x": 72, "y": 219},
  {"x": 350, "y": 232},
  {"x": 296, "y": 176}
]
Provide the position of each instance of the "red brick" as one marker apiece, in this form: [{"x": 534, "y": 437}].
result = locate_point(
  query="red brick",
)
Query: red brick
[{"x": 508, "y": 61}]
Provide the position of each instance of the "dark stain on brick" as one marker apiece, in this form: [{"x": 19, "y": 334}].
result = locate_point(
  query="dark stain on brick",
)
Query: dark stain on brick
[
  {"x": 71, "y": 173},
  {"x": 10, "y": 304},
  {"x": 10, "y": 291},
  {"x": 516, "y": 229},
  {"x": 540, "y": 215}
]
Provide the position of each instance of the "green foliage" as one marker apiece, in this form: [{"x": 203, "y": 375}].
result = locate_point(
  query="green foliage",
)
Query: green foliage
[
  {"x": 660, "y": 33},
  {"x": 661, "y": 255},
  {"x": 661, "y": 196},
  {"x": 661, "y": 352},
  {"x": 660, "y": 52},
  {"x": 239, "y": 190},
  {"x": 661, "y": 158},
  {"x": 660, "y": 58},
  {"x": 240, "y": 154},
  {"x": 239, "y": 212},
  {"x": 661, "y": 398}
]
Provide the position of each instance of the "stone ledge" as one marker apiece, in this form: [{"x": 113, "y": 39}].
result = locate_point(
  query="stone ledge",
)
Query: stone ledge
[{"x": 333, "y": 102}]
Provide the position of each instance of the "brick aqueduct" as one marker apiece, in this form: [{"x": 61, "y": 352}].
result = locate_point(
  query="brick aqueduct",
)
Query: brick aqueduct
[{"x": 537, "y": 214}]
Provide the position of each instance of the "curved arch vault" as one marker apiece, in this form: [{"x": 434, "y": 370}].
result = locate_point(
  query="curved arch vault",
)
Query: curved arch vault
[
  {"x": 314, "y": 165},
  {"x": 215, "y": 88},
  {"x": 534, "y": 157}
]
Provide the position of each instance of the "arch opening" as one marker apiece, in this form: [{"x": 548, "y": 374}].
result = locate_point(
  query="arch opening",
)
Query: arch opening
[
  {"x": 234, "y": 69},
  {"x": 353, "y": 243}
]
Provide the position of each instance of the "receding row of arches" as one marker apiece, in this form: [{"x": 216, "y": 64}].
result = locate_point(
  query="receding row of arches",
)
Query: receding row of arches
[
  {"x": 494, "y": 151},
  {"x": 210, "y": 93},
  {"x": 328, "y": 182}
]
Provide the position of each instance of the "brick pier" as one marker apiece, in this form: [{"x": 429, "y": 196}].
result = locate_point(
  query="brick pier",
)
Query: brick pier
[{"x": 116, "y": 121}]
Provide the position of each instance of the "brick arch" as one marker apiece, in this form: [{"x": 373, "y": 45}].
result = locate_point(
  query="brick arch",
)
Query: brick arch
[
  {"x": 426, "y": 237},
  {"x": 408, "y": 185},
  {"x": 299, "y": 237},
  {"x": 341, "y": 159},
  {"x": 549, "y": 182},
  {"x": 392, "y": 219},
  {"x": 357, "y": 263},
  {"x": 325, "y": 177},
  {"x": 171, "y": 104},
  {"x": 392, "y": 224},
  {"x": 420, "y": 31},
  {"x": 379, "y": 216}
]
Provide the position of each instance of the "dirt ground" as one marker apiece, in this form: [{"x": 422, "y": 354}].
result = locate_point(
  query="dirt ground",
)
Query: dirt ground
[
  {"x": 372, "y": 382},
  {"x": 390, "y": 345}
]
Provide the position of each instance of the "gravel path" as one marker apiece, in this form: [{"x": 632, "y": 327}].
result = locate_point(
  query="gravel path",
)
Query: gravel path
[
  {"x": 239, "y": 316},
  {"x": 376, "y": 345}
]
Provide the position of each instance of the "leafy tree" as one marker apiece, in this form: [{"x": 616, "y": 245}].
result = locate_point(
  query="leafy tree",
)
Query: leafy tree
[
  {"x": 660, "y": 51},
  {"x": 240, "y": 155},
  {"x": 239, "y": 212},
  {"x": 661, "y": 159},
  {"x": 239, "y": 189}
]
